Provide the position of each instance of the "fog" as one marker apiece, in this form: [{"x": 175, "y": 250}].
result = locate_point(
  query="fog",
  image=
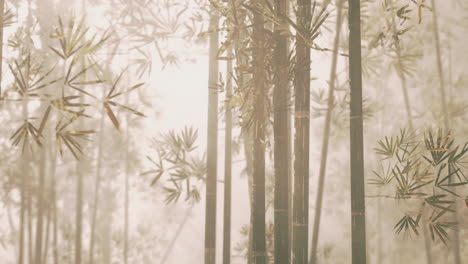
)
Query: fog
[{"x": 178, "y": 131}]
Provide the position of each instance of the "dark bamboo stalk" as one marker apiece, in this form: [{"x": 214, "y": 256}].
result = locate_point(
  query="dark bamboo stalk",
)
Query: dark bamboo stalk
[
  {"x": 281, "y": 137},
  {"x": 212, "y": 144},
  {"x": 258, "y": 253},
  {"x": 326, "y": 134},
  {"x": 301, "y": 140},
  {"x": 358, "y": 220},
  {"x": 228, "y": 165}
]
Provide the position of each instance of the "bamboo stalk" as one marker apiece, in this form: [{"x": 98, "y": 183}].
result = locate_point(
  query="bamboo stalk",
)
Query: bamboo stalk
[
  {"x": 258, "y": 253},
  {"x": 301, "y": 141},
  {"x": 212, "y": 145},
  {"x": 326, "y": 135},
  {"x": 358, "y": 216},
  {"x": 442, "y": 91},
  {"x": 281, "y": 138},
  {"x": 29, "y": 216},
  {"x": 247, "y": 136},
  {"x": 126, "y": 185},
  {"x": 176, "y": 236},
  {"x": 22, "y": 219},
  {"x": 47, "y": 235},
  {"x": 97, "y": 184},
  {"x": 228, "y": 166},
  {"x": 40, "y": 209}
]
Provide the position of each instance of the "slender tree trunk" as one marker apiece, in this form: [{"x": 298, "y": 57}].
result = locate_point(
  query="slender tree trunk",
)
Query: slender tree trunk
[
  {"x": 40, "y": 209},
  {"x": 281, "y": 137},
  {"x": 107, "y": 225},
  {"x": 45, "y": 250},
  {"x": 247, "y": 135},
  {"x": 54, "y": 209},
  {"x": 301, "y": 140},
  {"x": 427, "y": 245},
  {"x": 79, "y": 215},
  {"x": 212, "y": 145},
  {"x": 97, "y": 187},
  {"x": 79, "y": 188},
  {"x": 29, "y": 215},
  {"x": 22, "y": 219},
  {"x": 258, "y": 253},
  {"x": 440, "y": 70},
  {"x": 126, "y": 185},
  {"x": 358, "y": 220},
  {"x": 290, "y": 149},
  {"x": 97, "y": 190},
  {"x": 248, "y": 146},
  {"x": 176, "y": 235},
  {"x": 326, "y": 134},
  {"x": 446, "y": 118},
  {"x": 228, "y": 165},
  {"x": 402, "y": 76},
  {"x": 126, "y": 210}
]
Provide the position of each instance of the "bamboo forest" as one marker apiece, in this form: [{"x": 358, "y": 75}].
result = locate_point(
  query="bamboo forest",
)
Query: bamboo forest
[{"x": 233, "y": 131}]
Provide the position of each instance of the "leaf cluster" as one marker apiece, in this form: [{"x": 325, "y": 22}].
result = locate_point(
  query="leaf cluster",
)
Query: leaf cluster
[
  {"x": 429, "y": 169},
  {"x": 177, "y": 163}
]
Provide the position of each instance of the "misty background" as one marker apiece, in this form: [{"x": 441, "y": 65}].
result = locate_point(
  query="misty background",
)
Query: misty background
[{"x": 155, "y": 53}]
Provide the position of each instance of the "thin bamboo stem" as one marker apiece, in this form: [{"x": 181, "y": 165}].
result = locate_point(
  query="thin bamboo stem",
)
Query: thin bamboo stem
[{"x": 326, "y": 136}]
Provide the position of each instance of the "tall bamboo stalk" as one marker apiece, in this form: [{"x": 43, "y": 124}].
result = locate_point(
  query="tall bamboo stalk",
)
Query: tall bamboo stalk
[
  {"x": 442, "y": 91},
  {"x": 228, "y": 165},
  {"x": 243, "y": 78},
  {"x": 53, "y": 176},
  {"x": 126, "y": 186},
  {"x": 427, "y": 245},
  {"x": 258, "y": 253},
  {"x": 45, "y": 250},
  {"x": 79, "y": 213},
  {"x": 301, "y": 140},
  {"x": 28, "y": 155},
  {"x": 97, "y": 184},
  {"x": 402, "y": 76},
  {"x": 176, "y": 235},
  {"x": 212, "y": 144},
  {"x": 106, "y": 228},
  {"x": 22, "y": 217},
  {"x": 326, "y": 134},
  {"x": 126, "y": 208},
  {"x": 40, "y": 209},
  {"x": 29, "y": 222},
  {"x": 404, "y": 86},
  {"x": 440, "y": 70},
  {"x": 281, "y": 137},
  {"x": 358, "y": 220}
]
